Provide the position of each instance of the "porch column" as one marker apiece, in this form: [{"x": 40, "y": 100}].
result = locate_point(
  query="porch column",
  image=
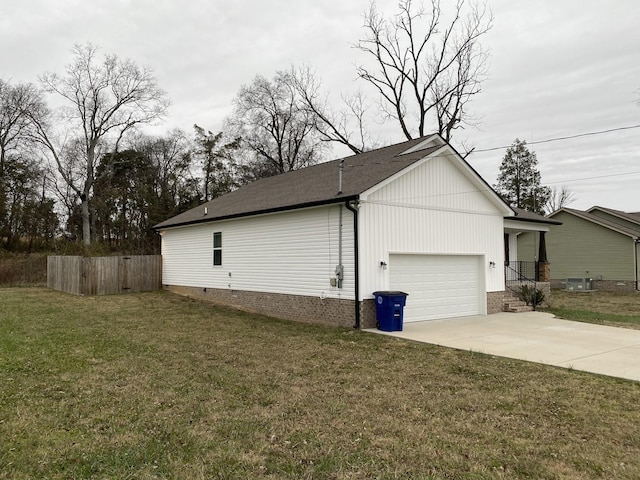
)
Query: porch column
[{"x": 544, "y": 269}]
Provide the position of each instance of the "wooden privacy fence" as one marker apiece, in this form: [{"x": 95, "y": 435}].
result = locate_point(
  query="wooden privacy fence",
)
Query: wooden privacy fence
[{"x": 104, "y": 275}]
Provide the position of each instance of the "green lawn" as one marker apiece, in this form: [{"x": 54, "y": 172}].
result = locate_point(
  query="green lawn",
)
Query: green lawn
[{"x": 153, "y": 385}]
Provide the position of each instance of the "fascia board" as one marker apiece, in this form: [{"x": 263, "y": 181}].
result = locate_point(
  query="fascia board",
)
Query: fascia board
[
  {"x": 426, "y": 143},
  {"x": 522, "y": 225}
]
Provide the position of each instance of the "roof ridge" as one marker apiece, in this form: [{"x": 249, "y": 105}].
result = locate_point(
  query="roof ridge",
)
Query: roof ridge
[
  {"x": 604, "y": 222},
  {"x": 629, "y": 217}
]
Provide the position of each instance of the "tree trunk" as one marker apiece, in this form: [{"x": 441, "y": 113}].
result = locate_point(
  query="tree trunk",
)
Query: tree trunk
[
  {"x": 86, "y": 193},
  {"x": 86, "y": 222}
]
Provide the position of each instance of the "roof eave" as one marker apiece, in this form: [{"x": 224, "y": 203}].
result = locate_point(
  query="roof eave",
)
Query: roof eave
[
  {"x": 522, "y": 219},
  {"x": 162, "y": 226}
]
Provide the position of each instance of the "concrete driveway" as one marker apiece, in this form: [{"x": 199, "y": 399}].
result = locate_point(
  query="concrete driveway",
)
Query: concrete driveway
[{"x": 536, "y": 337}]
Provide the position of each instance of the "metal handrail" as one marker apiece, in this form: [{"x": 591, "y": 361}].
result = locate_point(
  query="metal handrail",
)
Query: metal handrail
[
  {"x": 521, "y": 269},
  {"x": 517, "y": 275}
]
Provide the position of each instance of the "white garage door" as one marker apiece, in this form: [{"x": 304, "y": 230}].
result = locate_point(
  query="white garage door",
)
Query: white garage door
[{"x": 439, "y": 286}]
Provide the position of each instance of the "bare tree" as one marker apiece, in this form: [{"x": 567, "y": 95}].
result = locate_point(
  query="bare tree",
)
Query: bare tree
[
  {"x": 455, "y": 88},
  {"x": 272, "y": 124},
  {"x": 346, "y": 126},
  {"x": 19, "y": 169},
  {"x": 559, "y": 198},
  {"x": 105, "y": 99},
  {"x": 18, "y": 105},
  {"x": 424, "y": 66}
]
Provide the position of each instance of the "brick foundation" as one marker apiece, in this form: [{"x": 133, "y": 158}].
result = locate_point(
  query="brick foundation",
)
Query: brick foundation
[
  {"x": 495, "y": 302},
  {"x": 604, "y": 285},
  {"x": 327, "y": 311},
  {"x": 544, "y": 272},
  {"x": 614, "y": 285},
  {"x": 368, "y": 313},
  {"x": 546, "y": 289}
]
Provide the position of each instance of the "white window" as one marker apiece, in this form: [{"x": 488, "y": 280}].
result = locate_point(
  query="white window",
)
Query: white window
[{"x": 217, "y": 248}]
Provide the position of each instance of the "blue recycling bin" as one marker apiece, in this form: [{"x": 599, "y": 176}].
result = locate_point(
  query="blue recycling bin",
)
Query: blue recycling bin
[{"x": 389, "y": 310}]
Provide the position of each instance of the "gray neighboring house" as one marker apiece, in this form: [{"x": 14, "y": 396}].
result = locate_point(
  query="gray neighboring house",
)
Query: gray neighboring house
[{"x": 593, "y": 249}]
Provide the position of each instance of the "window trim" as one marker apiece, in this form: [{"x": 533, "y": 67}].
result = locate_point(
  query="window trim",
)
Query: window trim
[{"x": 216, "y": 249}]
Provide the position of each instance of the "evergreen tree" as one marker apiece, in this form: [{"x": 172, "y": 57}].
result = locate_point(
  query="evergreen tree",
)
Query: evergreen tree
[
  {"x": 217, "y": 163},
  {"x": 519, "y": 181}
]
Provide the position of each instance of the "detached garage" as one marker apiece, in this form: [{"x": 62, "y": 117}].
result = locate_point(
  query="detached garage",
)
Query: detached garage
[
  {"x": 439, "y": 286},
  {"x": 313, "y": 245}
]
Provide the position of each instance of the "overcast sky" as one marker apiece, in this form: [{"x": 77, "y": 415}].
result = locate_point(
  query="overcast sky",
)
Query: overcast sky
[{"x": 558, "y": 68}]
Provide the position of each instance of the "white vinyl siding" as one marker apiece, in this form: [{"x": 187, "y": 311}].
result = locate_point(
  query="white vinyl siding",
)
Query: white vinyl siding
[
  {"x": 434, "y": 209},
  {"x": 437, "y": 207},
  {"x": 437, "y": 182},
  {"x": 290, "y": 252},
  {"x": 439, "y": 286}
]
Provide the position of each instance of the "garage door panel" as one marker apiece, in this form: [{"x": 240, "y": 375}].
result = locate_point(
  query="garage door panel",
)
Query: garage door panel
[{"x": 439, "y": 286}]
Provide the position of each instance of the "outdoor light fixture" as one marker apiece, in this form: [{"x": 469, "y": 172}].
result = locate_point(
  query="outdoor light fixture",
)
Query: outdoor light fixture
[
  {"x": 492, "y": 264},
  {"x": 383, "y": 264}
]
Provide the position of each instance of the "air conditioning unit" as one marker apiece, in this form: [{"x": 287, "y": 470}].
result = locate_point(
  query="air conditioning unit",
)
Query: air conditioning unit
[{"x": 579, "y": 284}]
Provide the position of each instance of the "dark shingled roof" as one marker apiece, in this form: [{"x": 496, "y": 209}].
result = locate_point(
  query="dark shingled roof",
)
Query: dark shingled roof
[
  {"x": 632, "y": 232},
  {"x": 316, "y": 185},
  {"x": 524, "y": 215},
  {"x": 629, "y": 216}
]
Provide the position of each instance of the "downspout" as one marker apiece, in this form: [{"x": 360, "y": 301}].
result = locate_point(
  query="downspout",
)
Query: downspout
[
  {"x": 356, "y": 261},
  {"x": 339, "y": 269},
  {"x": 635, "y": 256}
]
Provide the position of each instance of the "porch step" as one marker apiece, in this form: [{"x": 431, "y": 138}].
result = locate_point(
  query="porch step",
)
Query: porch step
[
  {"x": 515, "y": 305},
  {"x": 519, "y": 309}
]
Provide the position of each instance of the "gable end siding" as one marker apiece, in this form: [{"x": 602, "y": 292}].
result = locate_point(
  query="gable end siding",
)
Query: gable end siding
[{"x": 436, "y": 182}]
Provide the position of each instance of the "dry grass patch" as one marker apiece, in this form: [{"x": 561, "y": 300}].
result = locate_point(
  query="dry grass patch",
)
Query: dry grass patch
[
  {"x": 620, "y": 309},
  {"x": 22, "y": 269},
  {"x": 158, "y": 386}
]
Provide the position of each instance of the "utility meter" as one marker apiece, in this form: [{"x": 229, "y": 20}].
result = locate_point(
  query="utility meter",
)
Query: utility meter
[{"x": 339, "y": 275}]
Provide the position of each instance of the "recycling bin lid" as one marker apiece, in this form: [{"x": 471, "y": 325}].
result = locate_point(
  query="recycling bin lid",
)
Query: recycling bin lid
[{"x": 390, "y": 293}]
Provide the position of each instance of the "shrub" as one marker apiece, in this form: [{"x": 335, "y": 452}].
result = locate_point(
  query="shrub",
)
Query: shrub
[{"x": 531, "y": 295}]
